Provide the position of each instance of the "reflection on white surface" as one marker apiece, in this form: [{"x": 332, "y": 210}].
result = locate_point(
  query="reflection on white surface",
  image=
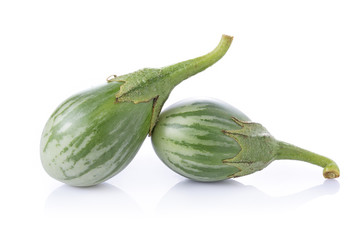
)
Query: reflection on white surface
[
  {"x": 229, "y": 197},
  {"x": 101, "y": 199}
]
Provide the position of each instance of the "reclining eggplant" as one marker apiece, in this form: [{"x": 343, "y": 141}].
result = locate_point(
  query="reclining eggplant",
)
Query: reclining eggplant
[
  {"x": 208, "y": 140},
  {"x": 95, "y": 134}
]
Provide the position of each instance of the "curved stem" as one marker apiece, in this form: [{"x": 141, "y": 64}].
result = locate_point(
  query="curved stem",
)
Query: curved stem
[
  {"x": 151, "y": 84},
  {"x": 289, "y": 151},
  {"x": 178, "y": 72}
]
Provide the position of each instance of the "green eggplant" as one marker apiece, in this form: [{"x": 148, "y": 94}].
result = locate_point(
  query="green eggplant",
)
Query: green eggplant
[
  {"x": 95, "y": 134},
  {"x": 208, "y": 140}
]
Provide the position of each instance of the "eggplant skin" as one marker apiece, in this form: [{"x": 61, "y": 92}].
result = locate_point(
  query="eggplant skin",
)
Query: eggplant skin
[
  {"x": 189, "y": 139},
  {"x": 90, "y": 138}
]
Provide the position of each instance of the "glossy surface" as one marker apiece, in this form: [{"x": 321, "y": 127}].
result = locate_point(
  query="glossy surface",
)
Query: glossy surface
[
  {"x": 90, "y": 138},
  {"x": 209, "y": 140},
  {"x": 189, "y": 139}
]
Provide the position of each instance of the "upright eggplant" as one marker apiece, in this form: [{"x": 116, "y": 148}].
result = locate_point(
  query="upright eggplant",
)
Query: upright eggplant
[
  {"x": 95, "y": 134},
  {"x": 209, "y": 140}
]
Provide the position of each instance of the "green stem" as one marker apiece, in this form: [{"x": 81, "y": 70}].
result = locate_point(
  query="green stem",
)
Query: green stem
[
  {"x": 176, "y": 73},
  {"x": 288, "y": 151},
  {"x": 151, "y": 84}
]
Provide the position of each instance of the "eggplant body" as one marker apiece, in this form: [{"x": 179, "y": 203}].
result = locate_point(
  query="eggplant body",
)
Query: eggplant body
[
  {"x": 209, "y": 140},
  {"x": 90, "y": 138},
  {"x": 188, "y": 138}
]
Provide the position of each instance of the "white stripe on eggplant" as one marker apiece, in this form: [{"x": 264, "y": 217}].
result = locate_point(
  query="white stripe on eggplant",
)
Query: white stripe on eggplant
[
  {"x": 204, "y": 120},
  {"x": 66, "y": 109},
  {"x": 187, "y": 151},
  {"x": 188, "y": 164},
  {"x": 191, "y": 108},
  {"x": 65, "y": 127},
  {"x": 191, "y": 136}
]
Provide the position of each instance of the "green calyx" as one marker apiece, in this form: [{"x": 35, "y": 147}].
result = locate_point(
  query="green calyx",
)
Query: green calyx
[
  {"x": 259, "y": 148},
  {"x": 155, "y": 85}
]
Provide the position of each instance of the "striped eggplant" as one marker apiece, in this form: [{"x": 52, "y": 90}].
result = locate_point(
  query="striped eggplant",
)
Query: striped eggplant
[
  {"x": 93, "y": 135},
  {"x": 208, "y": 140}
]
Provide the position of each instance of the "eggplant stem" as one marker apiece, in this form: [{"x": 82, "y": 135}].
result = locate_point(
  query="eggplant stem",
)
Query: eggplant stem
[
  {"x": 174, "y": 74},
  {"x": 289, "y": 151},
  {"x": 152, "y": 83},
  {"x": 183, "y": 70}
]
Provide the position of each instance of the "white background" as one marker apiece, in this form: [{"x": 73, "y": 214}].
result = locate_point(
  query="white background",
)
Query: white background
[{"x": 291, "y": 67}]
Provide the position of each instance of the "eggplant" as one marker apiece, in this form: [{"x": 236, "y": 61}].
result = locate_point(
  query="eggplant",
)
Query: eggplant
[
  {"x": 209, "y": 140},
  {"x": 95, "y": 134}
]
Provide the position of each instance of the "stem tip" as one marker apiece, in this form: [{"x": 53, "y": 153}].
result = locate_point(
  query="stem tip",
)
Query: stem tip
[
  {"x": 331, "y": 171},
  {"x": 227, "y": 37}
]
